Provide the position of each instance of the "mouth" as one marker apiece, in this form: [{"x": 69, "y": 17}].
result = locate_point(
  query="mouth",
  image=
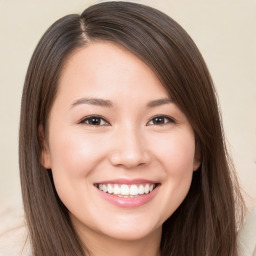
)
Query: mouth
[{"x": 127, "y": 190}]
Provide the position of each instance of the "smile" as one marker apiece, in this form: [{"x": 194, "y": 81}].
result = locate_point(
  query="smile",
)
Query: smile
[{"x": 125, "y": 190}]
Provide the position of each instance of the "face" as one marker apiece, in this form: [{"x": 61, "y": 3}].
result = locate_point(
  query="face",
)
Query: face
[{"x": 122, "y": 153}]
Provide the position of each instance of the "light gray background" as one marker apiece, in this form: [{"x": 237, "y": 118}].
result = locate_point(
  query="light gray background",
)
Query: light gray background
[{"x": 224, "y": 32}]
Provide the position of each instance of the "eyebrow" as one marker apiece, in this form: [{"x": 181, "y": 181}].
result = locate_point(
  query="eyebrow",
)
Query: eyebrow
[
  {"x": 159, "y": 102},
  {"x": 108, "y": 103},
  {"x": 93, "y": 101}
]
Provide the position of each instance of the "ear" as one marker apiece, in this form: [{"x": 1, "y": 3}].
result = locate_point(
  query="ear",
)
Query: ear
[
  {"x": 45, "y": 153},
  {"x": 197, "y": 157}
]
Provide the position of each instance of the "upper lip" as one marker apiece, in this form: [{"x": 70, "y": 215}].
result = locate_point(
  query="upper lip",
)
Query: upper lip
[{"x": 127, "y": 181}]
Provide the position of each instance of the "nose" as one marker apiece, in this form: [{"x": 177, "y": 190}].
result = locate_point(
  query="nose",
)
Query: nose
[{"x": 129, "y": 148}]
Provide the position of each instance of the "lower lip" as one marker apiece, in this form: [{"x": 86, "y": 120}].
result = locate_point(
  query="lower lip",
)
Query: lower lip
[{"x": 129, "y": 202}]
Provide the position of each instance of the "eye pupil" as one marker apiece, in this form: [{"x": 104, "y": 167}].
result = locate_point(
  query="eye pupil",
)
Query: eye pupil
[
  {"x": 94, "y": 121},
  {"x": 158, "y": 120}
]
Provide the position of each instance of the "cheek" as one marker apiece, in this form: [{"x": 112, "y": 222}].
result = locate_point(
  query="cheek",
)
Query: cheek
[
  {"x": 74, "y": 154},
  {"x": 176, "y": 152},
  {"x": 73, "y": 158},
  {"x": 177, "y": 158},
  {"x": 179, "y": 162}
]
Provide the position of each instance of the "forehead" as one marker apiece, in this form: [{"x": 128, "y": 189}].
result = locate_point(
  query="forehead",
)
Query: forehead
[{"x": 108, "y": 70}]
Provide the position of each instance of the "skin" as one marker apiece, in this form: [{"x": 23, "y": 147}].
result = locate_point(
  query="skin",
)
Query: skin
[{"x": 126, "y": 143}]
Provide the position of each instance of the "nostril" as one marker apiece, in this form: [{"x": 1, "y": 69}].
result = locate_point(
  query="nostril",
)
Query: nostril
[{"x": 129, "y": 157}]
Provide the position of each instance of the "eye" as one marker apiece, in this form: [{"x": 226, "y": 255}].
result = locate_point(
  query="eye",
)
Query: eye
[
  {"x": 160, "y": 120},
  {"x": 94, "y": 121}
]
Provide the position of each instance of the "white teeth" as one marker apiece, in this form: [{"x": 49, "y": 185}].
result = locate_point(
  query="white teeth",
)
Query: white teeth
[
  {"x": 110, "y": 189},
  {"x": 133, "y": 190},
  {"x": 116, "y": 190},
  {"x": 126, "y": 190},
  {"x": 105, "y": 188},
  {"x": 141, "y": 190},
  {"x": 147, "y": 189}
]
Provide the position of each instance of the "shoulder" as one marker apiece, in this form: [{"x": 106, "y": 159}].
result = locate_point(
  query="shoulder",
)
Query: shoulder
[
  {"x": 13, "y": 233},
  {"x": 247, "y": 236}
]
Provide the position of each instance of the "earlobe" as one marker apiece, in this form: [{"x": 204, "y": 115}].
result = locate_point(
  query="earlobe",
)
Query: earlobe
[
  {"x": 45, "y": 158},
  {"x": 197, "y": 158},
  {"x": 196, "y": 165}
]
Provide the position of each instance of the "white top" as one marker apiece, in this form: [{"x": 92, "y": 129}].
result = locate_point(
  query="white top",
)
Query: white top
[
  {"x": 247, "y": 236},
  {"x": 13, "y": 233}
]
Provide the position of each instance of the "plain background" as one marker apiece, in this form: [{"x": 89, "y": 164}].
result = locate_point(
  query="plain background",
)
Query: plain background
[{"x": 224, "y": 31}]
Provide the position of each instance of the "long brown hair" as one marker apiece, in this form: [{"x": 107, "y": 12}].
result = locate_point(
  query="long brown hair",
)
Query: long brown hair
[{"x": 205, "y": 223}]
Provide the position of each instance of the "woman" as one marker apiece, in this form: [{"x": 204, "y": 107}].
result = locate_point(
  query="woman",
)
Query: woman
[{"x": 121, "y": 145}]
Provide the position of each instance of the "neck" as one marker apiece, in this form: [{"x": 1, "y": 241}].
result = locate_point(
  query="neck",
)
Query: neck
[{"x": 101, "y": 245}]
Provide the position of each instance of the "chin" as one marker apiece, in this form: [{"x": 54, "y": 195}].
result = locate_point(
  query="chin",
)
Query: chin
[{"x": 132, "y": 232}]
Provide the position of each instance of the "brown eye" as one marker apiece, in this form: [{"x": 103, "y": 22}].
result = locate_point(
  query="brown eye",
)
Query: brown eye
[
  {"x": 94, "y": 121},
  {"x": 160, "y": 120}
]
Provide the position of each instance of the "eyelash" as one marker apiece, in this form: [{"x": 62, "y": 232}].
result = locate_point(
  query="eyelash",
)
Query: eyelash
[
  {"x": 88, "y": 119},
  {"x": 97, "y": 120},
  {"x": 161, "y": 118}
]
